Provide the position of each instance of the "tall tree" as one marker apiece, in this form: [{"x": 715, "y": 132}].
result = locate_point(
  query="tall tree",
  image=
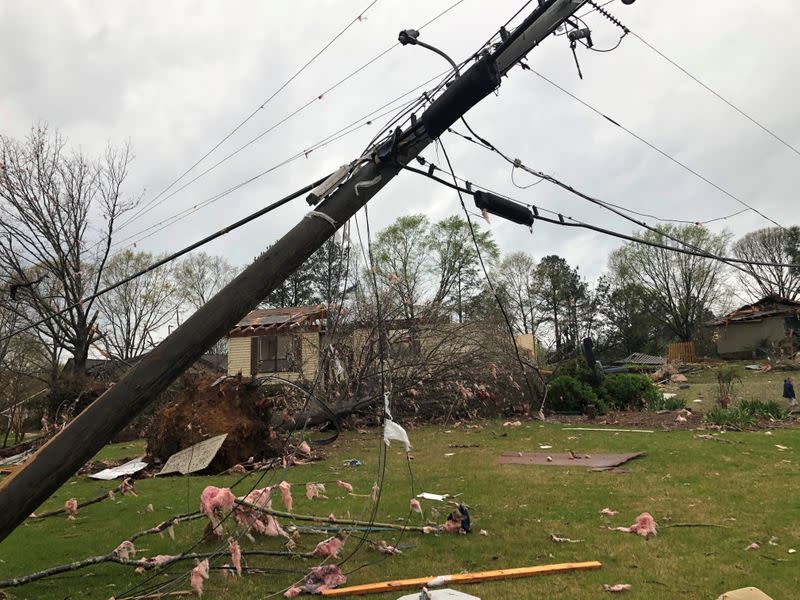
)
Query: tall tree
[
  {"x": 330, "y": 267},
  {"x": 52, "y": 201},
  {"x": 628, "y": 323},
  {"x": 792, "y": 248},
  {"x": 518, "y": 278},
  {"x": 200, "y": 276},
  {"x": 771, "y": 244},
  {"x": 454, "y": 262},
  {"x": 296, "y": 290},
  {"x": 681, "y": 289},
  {"x": 402, "y": 259},
  {"x": 132, "y": 314},
  {"x": 560, "y": 296}
]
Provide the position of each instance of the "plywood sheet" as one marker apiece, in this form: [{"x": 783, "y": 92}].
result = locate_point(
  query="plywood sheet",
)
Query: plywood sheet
[{"x": 194, "y": 458}]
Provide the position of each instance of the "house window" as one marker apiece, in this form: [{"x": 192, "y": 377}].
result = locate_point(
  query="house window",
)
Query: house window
[{"x": 274, "y": 353}]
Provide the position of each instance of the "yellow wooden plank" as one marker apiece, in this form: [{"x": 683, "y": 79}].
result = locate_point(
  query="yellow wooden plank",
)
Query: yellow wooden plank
[{"x": 407, "y": 584}]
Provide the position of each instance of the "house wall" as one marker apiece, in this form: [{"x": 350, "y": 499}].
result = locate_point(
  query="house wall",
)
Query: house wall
[
  {"x": 239, "y": 351},
  {"x": 239, "y": 356},
  {"x": 743, "y": 338}
]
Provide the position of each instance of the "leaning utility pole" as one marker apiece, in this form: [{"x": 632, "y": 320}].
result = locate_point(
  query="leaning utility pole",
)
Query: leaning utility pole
[{"x": 55, "y": 462}]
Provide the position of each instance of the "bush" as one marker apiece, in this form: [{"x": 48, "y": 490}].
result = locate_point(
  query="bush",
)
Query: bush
[
  {"x": 731, "y": 418},
  {"x": 764, "y": 410},
  {"x": 629, "y": 390},
  {"x": 662, "y": 403},
  {"x": 567, "y": 394},
  {"x": 577, "y": 369}
]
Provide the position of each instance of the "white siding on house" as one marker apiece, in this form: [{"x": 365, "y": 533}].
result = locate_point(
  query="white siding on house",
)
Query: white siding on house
[{"x": 239, "y": 356}]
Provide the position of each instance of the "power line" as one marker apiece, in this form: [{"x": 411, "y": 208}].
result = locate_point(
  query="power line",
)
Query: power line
[
  {"x": 516, "y": 163},
  {"x": 297, "y": 73},
  {"x": 176, "y": 255},
  {"x": 316, "y": 98},
  {"x": 562, "y": 220},
  {"x": 717, "y": 94},
  {"x": 515, "y": 166},
  {"x": 344, "y": 131},
  {"x": 659, "y": 150}
]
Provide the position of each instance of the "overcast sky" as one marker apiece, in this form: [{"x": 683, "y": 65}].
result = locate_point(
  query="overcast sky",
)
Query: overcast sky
[{"x": 175, "y": 77}]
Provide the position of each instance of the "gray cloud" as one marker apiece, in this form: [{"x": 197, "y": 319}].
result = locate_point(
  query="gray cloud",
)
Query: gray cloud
[{"x": 174, "y": 78}]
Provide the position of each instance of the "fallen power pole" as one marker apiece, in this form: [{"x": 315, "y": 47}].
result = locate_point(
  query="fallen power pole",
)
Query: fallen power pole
[{"x": 55, "y": 462}]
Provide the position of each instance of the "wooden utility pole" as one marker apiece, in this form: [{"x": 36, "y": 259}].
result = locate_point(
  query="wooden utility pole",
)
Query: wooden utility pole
[{"x": 55, "y": 462}]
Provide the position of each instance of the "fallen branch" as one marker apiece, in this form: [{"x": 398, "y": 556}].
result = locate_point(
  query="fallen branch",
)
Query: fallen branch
[
  {"x": 141, "y": 563},
  {"x": 164, "y": 525},
  {"x": 316, "y": 519},
  {"x": 694, "y": 525},
  {"x": 61, "y": 511}
]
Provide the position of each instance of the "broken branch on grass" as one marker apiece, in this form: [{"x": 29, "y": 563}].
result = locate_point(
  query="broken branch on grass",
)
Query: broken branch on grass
[
  {"x": 337, "y": 521},
  {"x": 142, "y": 563},
  {"x": 62, "y": 510},
  {"x": 694, "y": 525}
]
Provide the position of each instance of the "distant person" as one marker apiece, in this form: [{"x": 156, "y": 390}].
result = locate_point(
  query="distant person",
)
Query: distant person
[{"x": 788, "y": 392}]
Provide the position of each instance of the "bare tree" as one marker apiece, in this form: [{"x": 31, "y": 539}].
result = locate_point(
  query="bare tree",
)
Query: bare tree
[
  {"x": 681, "y": 290},
  {"x": 201, "y": 276},
  {"x": 132, "y": 314},
  {"x": 402, "y": 259},
  {"x": 767, "y": 245},
  {"x": 517, "y": 276},
  {"x": 57, "y": 215},
  {"x": 454, "y": 262}
]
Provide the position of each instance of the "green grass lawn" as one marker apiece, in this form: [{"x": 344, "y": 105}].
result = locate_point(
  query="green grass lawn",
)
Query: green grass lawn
[
  {"x": 754, "y": 385},
  {"x": 749, "y": 487}
]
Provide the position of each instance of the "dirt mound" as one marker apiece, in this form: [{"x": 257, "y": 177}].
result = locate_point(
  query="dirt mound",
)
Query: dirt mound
[{"x": 199, "y": 411}]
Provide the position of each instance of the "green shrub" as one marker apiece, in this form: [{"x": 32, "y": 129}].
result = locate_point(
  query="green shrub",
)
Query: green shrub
[
  {"x": 731, "y": 418},
  {"x": 764, "y": 410},
  {"x": 567, "y": 394},
  {"x": 662, "y": 403},
  {"x": 577, "y": 369},
  {"x": 629, "y": 390}
]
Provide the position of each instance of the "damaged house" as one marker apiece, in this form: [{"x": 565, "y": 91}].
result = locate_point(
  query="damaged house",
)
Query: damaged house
[
  {"x": 770, "y": 323},
  {"x": 277, "y": 341}
]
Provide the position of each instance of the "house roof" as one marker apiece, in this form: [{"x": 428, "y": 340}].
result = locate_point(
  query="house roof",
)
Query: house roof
[
  {"x": 268, "y": 321},
  {"x": 769, "y": 306}
]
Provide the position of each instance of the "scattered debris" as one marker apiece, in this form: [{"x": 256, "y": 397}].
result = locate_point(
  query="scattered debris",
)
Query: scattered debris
[
  {"x": 608, "y": 512},
  {"x": 304, "y": 448},
  {"x": 330, "y": 547},
  {"x": 286, "y": 495},
  {"x": 318, "y": 580},
  {"x": 567, "y": 459},
  {"x": 315, "y": 490},
  {"x": 129, "y": 468},
  {"x": 780, "y": 447},
  {"x": 194, "y": 458},
  {"x": 434, "y": 497},
  {"x": 617, "y": 587},
  {"x": 71, "y": 508},
  {"x": 483, "y": 532},
  {"x": 345, "y": 486},
  {"x": 512, "y": 424},
  {"x": 753, "y": 546},
  {"x": 791, "y": 551},
  {"x": 352, "y": 462},
  {"x": 644, "y": 526},
  {"x": 199, "y": 573},
  {"x": 384, "y": 548},
  {"x": 563, "y": 540},
  {"x": 607, "y": 429},
  {"x": 415, "y": 506}
]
